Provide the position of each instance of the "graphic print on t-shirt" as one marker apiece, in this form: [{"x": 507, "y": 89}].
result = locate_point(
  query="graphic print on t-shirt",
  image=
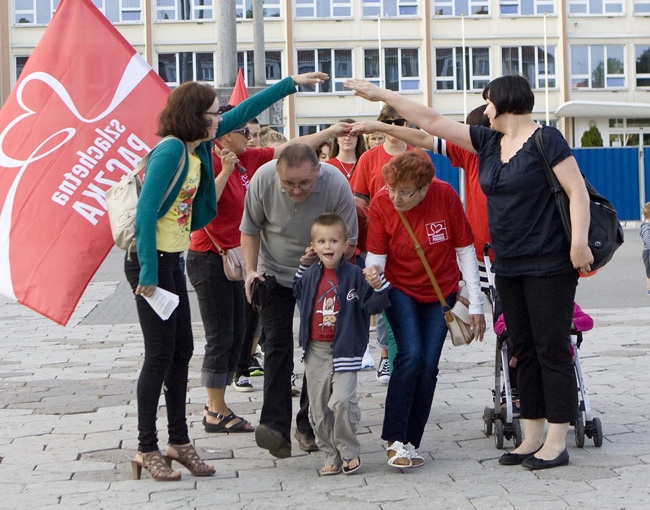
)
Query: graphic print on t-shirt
[
  {"x": 328, "y": 304},
  {"x": 437, "y": 232}
]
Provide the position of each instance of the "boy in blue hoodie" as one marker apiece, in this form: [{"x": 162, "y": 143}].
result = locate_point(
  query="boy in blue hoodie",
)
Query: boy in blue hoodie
[{"x": 335, "y": 298}]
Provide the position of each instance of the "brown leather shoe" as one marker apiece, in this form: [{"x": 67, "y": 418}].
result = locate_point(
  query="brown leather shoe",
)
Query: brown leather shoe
[{"x": 306, "y": 442}]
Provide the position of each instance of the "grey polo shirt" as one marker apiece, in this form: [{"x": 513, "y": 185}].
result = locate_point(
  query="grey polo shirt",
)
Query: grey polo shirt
[{"x": 284, "y": 226}]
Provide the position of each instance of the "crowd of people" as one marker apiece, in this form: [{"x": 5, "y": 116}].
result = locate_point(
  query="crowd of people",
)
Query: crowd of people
[{"x": 342, "y": 224}]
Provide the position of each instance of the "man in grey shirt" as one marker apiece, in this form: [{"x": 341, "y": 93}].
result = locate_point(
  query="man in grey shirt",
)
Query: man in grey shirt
[{"x": 282, "y": 201}]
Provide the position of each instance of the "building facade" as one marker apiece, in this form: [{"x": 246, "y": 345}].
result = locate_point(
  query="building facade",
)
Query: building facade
[{"x": 587, "y": 60}]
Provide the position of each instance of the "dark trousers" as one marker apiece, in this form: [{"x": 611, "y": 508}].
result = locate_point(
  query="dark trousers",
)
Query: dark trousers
[
  {"x": 252, "y": 320},
  {"x": 538, "y": 312},
  {"x": 168, "y": 347},
  {"x": 277, "y": 322},
  {"x": 221, "y": 303}
]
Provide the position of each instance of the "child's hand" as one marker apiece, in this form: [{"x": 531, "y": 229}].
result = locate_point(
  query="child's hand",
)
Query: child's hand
[
  {"x": 373, "y": 276},
  {"x": 309, "y": 257}
]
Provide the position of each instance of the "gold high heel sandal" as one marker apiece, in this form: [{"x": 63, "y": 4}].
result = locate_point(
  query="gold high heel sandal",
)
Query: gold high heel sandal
[
  {"x": 154, "y": 462},
  {"x": 187, "y": 456}
]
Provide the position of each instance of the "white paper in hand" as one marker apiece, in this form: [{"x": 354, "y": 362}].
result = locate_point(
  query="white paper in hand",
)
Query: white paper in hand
[{"x": 163, "y": 302}]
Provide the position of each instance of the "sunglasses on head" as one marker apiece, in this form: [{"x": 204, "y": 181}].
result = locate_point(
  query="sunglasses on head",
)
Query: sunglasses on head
[{"x": 397, "y": 122}]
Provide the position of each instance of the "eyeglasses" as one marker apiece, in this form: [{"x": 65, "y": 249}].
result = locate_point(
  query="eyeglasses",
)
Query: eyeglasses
[
  {"x": 403, "y": 193},
  {"x": 397, "y": 122},
  {"x": 303, "y": 185},
  {"x": 246, "y": 132},
  {"x": 222, "y": 109}
]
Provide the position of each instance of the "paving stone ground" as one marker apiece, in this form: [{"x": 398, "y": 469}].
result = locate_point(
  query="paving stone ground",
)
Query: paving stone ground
[{"x": 68, "y": 428}]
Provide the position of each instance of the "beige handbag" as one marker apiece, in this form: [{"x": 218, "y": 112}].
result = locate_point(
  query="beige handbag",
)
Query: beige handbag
[
  {"x": 457, "y": 318},
  {"x": 234, "y": 266}
]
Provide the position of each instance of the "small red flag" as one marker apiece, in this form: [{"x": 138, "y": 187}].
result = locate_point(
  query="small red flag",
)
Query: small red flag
[{"x": 239, "y": 93}]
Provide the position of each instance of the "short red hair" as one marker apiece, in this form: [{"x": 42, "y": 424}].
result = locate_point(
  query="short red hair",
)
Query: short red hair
[{"x": 413, "y": 167}]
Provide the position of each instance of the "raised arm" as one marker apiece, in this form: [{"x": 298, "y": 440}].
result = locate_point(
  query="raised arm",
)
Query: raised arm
[
  {"x": 338, "y": 129},
  {"x": 414, "y": 137},
  {"x": 428, "y": 119}
]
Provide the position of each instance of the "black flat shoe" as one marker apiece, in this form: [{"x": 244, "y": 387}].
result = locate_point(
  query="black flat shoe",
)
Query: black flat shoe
[
  {"x": 514, "y": 459},
  {"x": 533, "y": 462}
]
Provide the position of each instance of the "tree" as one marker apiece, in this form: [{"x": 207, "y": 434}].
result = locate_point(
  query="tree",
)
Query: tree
[{"x": 591, "y": 138}]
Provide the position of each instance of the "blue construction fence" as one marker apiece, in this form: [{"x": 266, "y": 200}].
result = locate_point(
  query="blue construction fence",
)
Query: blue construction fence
[{"x": 613, "y": 171}]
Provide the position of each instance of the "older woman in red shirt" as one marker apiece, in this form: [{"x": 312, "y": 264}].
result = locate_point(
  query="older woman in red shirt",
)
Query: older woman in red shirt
[{"x": 436, "y": 216}]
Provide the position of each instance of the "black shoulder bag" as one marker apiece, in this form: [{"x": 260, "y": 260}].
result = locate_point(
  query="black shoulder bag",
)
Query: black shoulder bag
[{"x": 605, "y": 231}]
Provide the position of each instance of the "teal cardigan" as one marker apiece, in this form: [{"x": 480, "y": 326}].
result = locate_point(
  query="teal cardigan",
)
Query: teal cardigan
[{"x": 160, "y": 171}]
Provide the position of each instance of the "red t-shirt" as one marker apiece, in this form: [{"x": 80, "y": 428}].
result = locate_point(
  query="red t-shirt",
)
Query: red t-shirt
[
  {"x": 367, "y": 178},
  {"x": 347, "y": 169},
  {"x": 224, "y": 229},
  {"x": 440, "y": 225},
  {"x": 326, "y": 307},
  {"x": 475, "y": 199}
]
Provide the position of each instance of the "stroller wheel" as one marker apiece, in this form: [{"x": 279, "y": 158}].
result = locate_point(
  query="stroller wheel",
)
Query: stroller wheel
[
  {"x": 488, "y": 420},
  {"x": 498, "y": 434},
  {"x": 517, "y": 436},
  {"x": 579, "y": 430},
  {"x": 598, "y": 433}
]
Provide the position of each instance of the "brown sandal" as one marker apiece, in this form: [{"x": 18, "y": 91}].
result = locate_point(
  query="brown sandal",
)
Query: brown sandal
[
  {"x": 154, "y": 462},
  {"x": 188, "y": 457}
]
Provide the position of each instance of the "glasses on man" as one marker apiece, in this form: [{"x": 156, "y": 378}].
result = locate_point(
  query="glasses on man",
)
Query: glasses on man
[
  {"x": 397, "y": 122},
  {"x": 402, "y": 192},
  {"x": 302, "y": 185},
  {"x": 246, "y": 132}
]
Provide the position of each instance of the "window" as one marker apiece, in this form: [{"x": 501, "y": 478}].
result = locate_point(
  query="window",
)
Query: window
[
  {"x": 389, "y": 8},
  {"x": 118, "y": 11},
  {"x": 323, "y": 8},
  {"x": 641, "y": 6},
  {"x": 310, "y": 129},
  {"x": 526, "y": 7},
  {"x": 449, "y": 68},
  {"x": 461, "y": 7},
  {"x": 273, "y": 59},
  {"x": 529, "y": 61},
  {"x": 187, "y": 10},
  {"x": 595, "y": 6},
  {"x": 627, "y": 132},
  {"x": 244, "y": 9},
  {"x": 176, "y": 68},
  {"x": 642, "y": 66},
  {"x": 597, "y": 67},
  {"x": 20, "y": 65},
  {"x": 401, "y": 68},
  {"x": 336, "y": 63}
]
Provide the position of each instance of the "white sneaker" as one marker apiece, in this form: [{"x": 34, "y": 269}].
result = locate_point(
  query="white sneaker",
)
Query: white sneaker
[
  {"x": 368, "y": 363},
  {"x": 383, "y": 371}
]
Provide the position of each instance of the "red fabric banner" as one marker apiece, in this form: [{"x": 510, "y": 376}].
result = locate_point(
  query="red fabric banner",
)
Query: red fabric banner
[
  {"x": 81, "y": 116},
  {"x": 240, "y": 92}
]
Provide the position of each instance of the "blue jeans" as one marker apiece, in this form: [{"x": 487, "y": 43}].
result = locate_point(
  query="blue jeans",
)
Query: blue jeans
[
  {"x": 222, "y": 307},
  {"x": 420, "y": 332},
  {"x": 168, "y": 347}
]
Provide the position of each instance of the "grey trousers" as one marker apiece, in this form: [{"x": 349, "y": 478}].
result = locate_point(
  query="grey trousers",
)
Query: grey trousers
[{"x": 333, "y": 405}]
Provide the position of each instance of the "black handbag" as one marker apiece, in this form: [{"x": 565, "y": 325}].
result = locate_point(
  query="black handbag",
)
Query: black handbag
[
  {"x": 605, "y": 231},
  {"x": 261, "y": 291}
]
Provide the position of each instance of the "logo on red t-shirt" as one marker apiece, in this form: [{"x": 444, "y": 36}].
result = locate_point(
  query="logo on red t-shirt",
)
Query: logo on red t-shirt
[{"x": 437, "y": 232}]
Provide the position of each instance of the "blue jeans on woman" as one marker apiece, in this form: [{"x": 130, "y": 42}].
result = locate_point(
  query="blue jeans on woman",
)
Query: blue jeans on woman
[
  {"x": 222, "y": 306},
  {"x": 168, "y": 348},
  {"x": 420, "y": 332}
]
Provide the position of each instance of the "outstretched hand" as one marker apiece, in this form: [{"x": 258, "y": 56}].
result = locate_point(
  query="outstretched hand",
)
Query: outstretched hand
[
  {"x": 340, "y": 129},
  {"x": 366, "y": 126},
  {"x": 313, "y": 78},
  {"x": 365, "y": 89}
]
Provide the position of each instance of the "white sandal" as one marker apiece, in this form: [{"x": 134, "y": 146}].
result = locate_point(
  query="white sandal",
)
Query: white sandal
[
  {"x": 416, "y": 459},
  {"x": 399, "y": 452}
]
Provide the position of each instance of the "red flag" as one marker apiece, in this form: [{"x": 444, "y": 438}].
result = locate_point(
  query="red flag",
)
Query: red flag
[
  {"x": 239, "y": 93},
  {"x": 81, "y": 116}
]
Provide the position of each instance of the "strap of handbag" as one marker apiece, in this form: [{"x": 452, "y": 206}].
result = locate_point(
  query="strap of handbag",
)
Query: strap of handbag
[
  {"x": 420, "y": 251},
  {"x": 177, "y": 174},
  {"x": 220, "y": 250},
  {"x": 550, "y": 175}
]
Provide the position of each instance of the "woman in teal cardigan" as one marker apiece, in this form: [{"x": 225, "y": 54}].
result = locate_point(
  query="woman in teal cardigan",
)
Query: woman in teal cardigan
[{"x": 189, "y": 123}]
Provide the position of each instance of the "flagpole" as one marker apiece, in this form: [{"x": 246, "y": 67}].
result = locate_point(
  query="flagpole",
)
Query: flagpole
[
  {"x": 462, "y": 32},
  {"x": 548, "y": 118},
  {"x": 382, "y": 82}
]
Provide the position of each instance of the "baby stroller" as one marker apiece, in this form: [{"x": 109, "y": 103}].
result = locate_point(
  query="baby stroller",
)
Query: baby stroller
[{"x": 503, "y": 416}]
